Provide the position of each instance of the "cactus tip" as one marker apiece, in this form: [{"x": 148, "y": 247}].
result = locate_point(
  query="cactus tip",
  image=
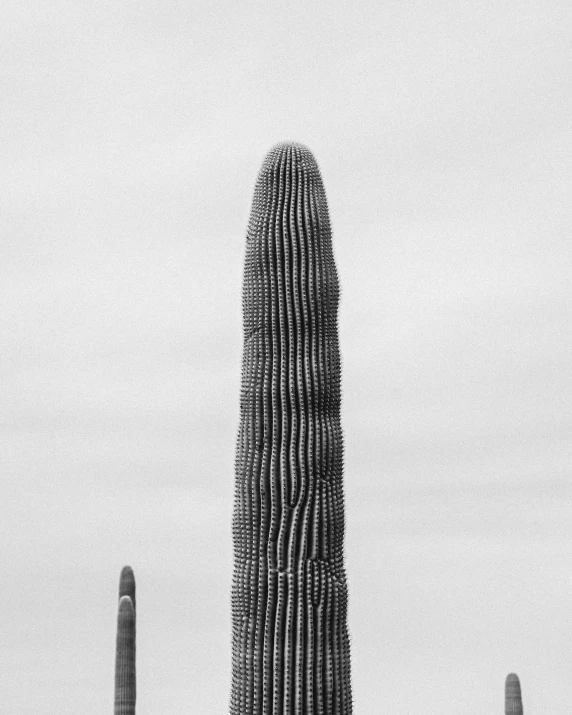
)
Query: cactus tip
[
  {"x": 283, "y": 145},
  {"x": 299, "y": 154},
  {"x": 513, "y": 695},
  {"x": 127, "y": 583}
]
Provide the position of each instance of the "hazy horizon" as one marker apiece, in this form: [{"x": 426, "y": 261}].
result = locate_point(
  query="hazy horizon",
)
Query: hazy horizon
[{"x": 131, "y": 137}]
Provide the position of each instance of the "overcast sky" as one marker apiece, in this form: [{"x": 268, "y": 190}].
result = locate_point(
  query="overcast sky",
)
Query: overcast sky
[{"x": 131, "y": 134}]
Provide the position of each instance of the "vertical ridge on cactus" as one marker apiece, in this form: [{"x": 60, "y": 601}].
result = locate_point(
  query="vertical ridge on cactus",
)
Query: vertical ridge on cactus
[
  {"x": 290, "y": 650},
  {"x": 125, "y": 686},
  {"x": 512, "y": 695},
  {"x": 127, "y": 584}
]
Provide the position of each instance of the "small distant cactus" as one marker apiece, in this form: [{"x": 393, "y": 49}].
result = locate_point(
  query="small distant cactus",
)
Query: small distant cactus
[
  {"x": 512, "y": 695},
  {"x": 125, "y": 690},
  {"x": 289, "y": 597},
  {"x": 127, "y": 584}
]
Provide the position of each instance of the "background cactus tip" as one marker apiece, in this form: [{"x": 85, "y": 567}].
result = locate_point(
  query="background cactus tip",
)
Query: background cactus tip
[
  {"x": 513, "y": 695},
  {"x": 127, "y": 584}
]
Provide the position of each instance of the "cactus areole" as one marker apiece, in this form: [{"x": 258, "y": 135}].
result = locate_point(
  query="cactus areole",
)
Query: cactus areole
[{"x": 289, "y": 594}]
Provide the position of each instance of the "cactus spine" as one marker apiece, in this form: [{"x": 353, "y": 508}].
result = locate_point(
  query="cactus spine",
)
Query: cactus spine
[
  {"x": 125, "y": 691},
  {"x": 512, "y": 695},
  {"x": 289, "y": 595}
]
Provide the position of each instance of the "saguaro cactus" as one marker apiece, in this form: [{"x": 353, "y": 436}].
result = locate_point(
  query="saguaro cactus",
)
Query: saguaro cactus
[
  {"x": 512, "y": 695},
  {"x": 289, "y": 595},
  {"x": 125, "y": 691}
]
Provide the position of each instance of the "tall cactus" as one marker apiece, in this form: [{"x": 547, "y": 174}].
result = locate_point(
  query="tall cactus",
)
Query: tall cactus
[
  {"x": 512, "y": 695},
  {"x": 125, "y": 690},
  {"x": 289, "y": 595}
]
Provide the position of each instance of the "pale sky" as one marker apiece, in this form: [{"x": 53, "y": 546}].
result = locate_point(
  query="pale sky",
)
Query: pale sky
[{"x": 131, "y": 134}]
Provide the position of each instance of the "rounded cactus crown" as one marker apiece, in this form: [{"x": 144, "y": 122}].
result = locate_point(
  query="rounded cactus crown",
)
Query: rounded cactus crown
[
  {"x": 299, "y": 162},
  {"x": 513, "y": 697},
  {"x": 127, "y": 584},
  {"x": 512, "y": 684},
  {"x": 299, "y": 153},
  {"x": 289, "y": 256}
]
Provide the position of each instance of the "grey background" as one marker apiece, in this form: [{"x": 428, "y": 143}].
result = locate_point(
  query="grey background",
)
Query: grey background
[{"x": 130, "y": 138}]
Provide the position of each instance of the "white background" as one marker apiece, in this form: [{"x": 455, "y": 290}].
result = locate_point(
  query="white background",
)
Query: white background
[{"x": 131, "y": 134}]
